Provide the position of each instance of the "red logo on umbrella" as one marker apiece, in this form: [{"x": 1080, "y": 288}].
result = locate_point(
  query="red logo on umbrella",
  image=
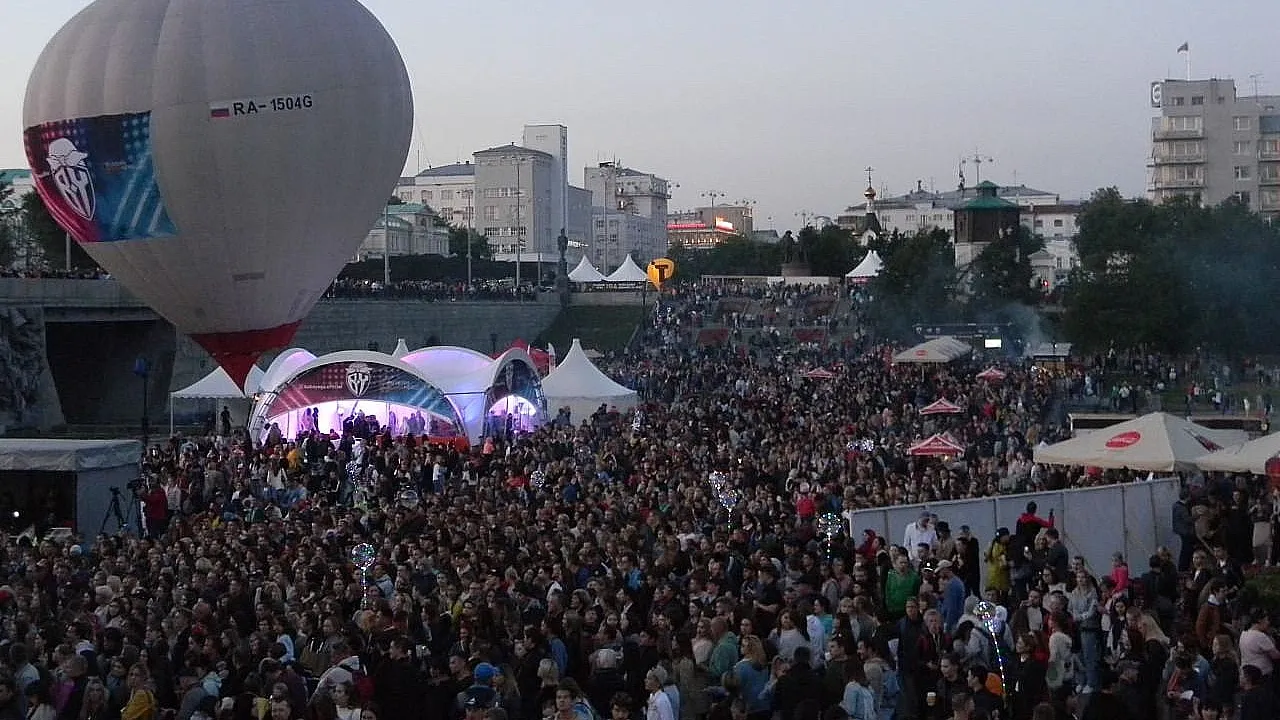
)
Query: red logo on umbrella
[{"x": 1124, "y": 440}]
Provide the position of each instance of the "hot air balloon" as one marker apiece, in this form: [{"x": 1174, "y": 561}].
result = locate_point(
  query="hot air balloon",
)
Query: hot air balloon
[{"x": 222, "y": 159}]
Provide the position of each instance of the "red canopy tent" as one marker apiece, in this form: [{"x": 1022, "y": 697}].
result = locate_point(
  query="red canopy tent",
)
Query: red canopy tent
[
  {"x": 941, "y": 406},
  {"x": 819, "y": 374},
  {"x": 936, "y": 446},
  {"x": 541, "y": 358},
  {"x": 991, "y": 374}
]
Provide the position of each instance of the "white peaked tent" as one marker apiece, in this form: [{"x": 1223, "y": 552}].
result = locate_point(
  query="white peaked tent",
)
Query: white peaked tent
[
  {"x": 870, "y": 267},
  {"x": 585, "y": 272},
  {"x": 1250, "y": 457},
  {"x": 578, "y": 384},
  {"x": 218, "y": 385},
  {"x": 1156, "y": 442},
  {"x": 938, "y": 350},
  {"x": 627, "y": 272}
]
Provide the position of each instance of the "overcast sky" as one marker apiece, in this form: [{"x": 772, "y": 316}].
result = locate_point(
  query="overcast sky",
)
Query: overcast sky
[{"x": 785, "y": 103}]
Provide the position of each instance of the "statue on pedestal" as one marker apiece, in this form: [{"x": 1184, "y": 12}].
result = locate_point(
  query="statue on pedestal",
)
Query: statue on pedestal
[
  {"x": 562, "y": 269},
  {"x": 788, "y": 245}
]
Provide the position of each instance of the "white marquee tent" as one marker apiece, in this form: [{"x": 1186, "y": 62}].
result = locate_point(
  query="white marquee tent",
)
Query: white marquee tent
[
  {"x": 218, "y": 385},
  {"x": 585, "y": 272},
  {"x": 870, "y": 267},
  {"x": 77, "y": 474},
  {"x": 1250, "y": 457},
  {"x": 627, "y": 272},
  {"x": 937, "y": 350},
  {"x": 578, "y": 384},
  {"x": 1156, "y": 442}
]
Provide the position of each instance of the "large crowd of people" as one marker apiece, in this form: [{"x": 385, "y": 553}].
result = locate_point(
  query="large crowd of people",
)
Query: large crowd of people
[
  {"x": 431, "y": 291},
  {"x": 590, "y": 569}
]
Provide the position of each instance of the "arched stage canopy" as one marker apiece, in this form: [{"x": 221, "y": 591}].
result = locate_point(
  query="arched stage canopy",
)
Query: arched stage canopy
[{"x": 444, "y": 392}]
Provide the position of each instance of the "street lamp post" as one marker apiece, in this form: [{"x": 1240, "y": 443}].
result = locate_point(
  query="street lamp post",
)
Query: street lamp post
[
  {"x": 519, "y": 228},
  {"x": 142, "y": 369},
  {"x": 470, "y": 232}
]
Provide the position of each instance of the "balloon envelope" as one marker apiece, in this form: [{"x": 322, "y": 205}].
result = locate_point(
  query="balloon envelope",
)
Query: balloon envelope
[{"x": 221, "y": 158}]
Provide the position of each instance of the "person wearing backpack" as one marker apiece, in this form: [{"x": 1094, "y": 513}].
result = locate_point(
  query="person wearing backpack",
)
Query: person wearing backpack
[{"x": 882, "y": 678}]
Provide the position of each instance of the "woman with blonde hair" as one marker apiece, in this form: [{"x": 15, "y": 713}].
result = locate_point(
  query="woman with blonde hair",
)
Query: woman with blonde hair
[
  {"x": 142, "y": 702},
  {"x": 96, "y": 704},
  {"x": 752, "y": 674},
  {"x": 549, "y": 677}
]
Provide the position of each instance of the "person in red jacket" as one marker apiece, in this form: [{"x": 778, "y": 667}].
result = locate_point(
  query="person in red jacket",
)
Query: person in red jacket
[{"x": 155, "y": 506}]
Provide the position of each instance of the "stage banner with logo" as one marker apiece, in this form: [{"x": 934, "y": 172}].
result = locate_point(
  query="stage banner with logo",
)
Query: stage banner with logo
[
  {"x": 356, "y": 381},
  {"x": 97, "y": 177}
]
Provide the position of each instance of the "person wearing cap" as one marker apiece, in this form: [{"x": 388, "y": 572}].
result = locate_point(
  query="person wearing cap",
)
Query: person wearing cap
[
  {"x": 481, "y": 691},
  {"x": 953, "y": 594},
  {"x": 920, "y": 532},
  {"x": 475, "y": 703}
]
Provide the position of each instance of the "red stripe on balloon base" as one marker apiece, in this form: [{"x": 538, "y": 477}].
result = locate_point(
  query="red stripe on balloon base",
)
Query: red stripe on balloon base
[{"x": 236, "y": 352}]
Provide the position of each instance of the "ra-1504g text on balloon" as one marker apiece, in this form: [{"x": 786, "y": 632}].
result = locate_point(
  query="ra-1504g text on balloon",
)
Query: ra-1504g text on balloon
[{"x": 241, "y": 108}]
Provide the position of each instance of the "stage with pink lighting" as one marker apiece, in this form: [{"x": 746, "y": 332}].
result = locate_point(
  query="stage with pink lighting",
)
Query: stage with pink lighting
[{"x": 442, "y": 392}]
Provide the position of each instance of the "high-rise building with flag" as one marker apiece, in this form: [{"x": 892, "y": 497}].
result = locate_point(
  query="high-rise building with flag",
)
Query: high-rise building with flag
[{"x": 1210, "y": 143}]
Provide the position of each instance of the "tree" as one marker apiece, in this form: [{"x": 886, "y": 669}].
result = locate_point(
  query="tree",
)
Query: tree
[
  {"x": 458, "y": 241},
  {"x": 1173, "y": 277},
  {"x": 829, "y": 250},
  {"x": 1002, "y": 274},
  {"x": 9, "y": 220},
  {"x": 48, "y": 238},
  {"x": 917, "y": 283}
]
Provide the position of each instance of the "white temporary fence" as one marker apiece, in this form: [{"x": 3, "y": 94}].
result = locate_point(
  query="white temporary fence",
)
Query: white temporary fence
[{"x": 1134, "y": 518}]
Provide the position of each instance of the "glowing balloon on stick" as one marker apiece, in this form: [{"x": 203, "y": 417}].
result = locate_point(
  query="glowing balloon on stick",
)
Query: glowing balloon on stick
[
  {"x": 989, "y": 614},
  {"x": 363, "y": 556},
  {"x": 729, "y": 497},
  {"x": 409, "y": 498},
  {"x": 829, "y": 526}
]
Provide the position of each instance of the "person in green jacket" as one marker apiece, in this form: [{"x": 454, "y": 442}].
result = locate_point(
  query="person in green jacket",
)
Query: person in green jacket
[
  {"x": 725, "y": 653},
  {"x": 901, "y": 584}
]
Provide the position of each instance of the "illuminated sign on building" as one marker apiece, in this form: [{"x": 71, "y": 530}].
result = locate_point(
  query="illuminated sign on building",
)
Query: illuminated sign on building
[{"x": 722, "y": 224}]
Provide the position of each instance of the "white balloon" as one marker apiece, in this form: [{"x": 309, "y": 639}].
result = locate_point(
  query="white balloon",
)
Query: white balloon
[{"x": 221, "y": 158}]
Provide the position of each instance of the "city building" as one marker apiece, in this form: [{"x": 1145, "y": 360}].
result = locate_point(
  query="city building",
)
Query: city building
[
  {"x": 628, "y": 215},
  {"x": 449, "y": 190},
  {"x": 981, "y": 221},
  {"x": 1209, "y": 143},
  {"x": 1044, "y": 213},
  {"x": 514, "y": 186},
  {"x": 554, "y": 141},
  {"x": 18, "y": 180},
  {"x": 405, "y": 229},
  {"x": 705, "y": 227},
  {"x": 923, "y": 209},
  {"x": 579, "y": 229}
]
